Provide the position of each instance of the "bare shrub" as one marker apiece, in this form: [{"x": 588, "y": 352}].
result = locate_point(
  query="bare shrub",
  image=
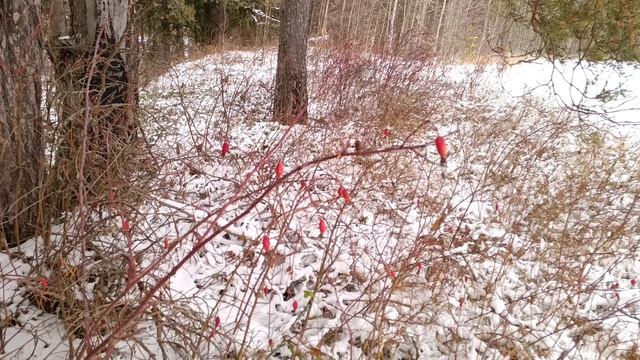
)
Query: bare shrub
[{"x": 509, "y": 252}]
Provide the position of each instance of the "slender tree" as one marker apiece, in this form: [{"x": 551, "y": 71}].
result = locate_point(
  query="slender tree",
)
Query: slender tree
[
  {"x": 290, "y": 103},
  {"x": 392, "y": 22},
  {"x": 21, "y": 149},
  {"x": 437, "y": 39}
]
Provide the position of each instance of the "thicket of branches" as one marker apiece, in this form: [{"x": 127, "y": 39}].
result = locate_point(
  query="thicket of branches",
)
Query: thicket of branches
[{"x": 125, "y": 200}]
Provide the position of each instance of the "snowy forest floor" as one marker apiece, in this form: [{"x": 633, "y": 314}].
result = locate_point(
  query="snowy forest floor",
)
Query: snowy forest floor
[{"x": 526, "y": 246}]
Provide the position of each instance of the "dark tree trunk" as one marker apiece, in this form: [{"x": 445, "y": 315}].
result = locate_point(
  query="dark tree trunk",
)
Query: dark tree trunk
[
  {"x": 211, "y": 17},
  {"x": 93, "y": 79},
  {"x": 99, "y": 31},
  {"x": 21, "y": 149},
  {"x": 290, "y": 102}
]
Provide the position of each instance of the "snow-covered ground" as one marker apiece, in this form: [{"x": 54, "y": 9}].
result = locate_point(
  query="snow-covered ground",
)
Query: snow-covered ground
[
  {"x": 601, "y": 91},
  {"x": 524, "y": 246}
]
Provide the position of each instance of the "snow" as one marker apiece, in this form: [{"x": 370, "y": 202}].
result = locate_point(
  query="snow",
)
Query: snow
[
  {"x": 491, "y": 285},
  {"x": 602, "y": 91}
]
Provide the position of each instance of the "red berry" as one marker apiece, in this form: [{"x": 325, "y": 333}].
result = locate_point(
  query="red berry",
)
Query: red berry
[
  {"x": 322, "y": 226},
  {"x": 270, "y": 342},
  {"x": 344, "y": 194},
  {"x": 225, "y": 149},
  {"x": 279, "y": 169},
  {"x": 386, "y": 133},
  {"x": 126, "y": 226},
  {"x": 266, "y": 291},
  {"x": 266, "y": 243},
  {"x": 217, "y": 321},
  {"x": 441, "y": 146},
  {"x": 295, "y": 306},
  {"x": 633, "y": 282},
  {"x": 44, "y": 283}
]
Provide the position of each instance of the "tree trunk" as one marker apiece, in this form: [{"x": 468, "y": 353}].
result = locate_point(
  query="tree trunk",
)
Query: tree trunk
[
  {"x": 212, "y": 20},
  {"x": 422, "y": 18},
  {"x": 21, "y": 147},
  {"x": 93, "y": 80},
  {"x": 54, "y": 11},
  {"x": 404, "y": 20},
  {"x": 392, "y": 23},
  {"x": 435, "y": 44},
  {"x": 290, "y": 103},
  {"x": 267, "y": 23},
  {"x": 359, "y": 16},
  {"x": 342, "y": 36},
  {"x": 351, "y": 7},
  {"x": 324, "y": 18},
  {"x": 222, "y": 21}
]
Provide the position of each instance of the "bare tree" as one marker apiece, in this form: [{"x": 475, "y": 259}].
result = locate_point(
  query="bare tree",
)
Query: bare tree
[
  {"x": 437, "y": 39},
  {"x": 290, "y": 104},
  {"x": 392, "y": 22},
  {"x": 323, "y": 17},
  {"x": 21, "y": 149}
]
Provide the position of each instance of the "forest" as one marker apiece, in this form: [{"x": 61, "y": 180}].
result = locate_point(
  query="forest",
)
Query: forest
[{"x": 320, "y": 179}]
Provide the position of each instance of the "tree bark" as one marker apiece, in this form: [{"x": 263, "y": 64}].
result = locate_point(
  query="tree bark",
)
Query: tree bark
[
  {"x": 392, "y": 23},
  {"x": 94, "y": 84},
  {"x": 21, "y": 147},
  {"x": 435, "y": 44},
  {"x": 483, "y": 37},
  {"x": 324, "y": 18},
  {"x": 222, "y": 22},
  {"x": 343, "y": 36},
  {"x": 211, "y": 17},
  {"x": 290, "y": 103},
  {"x": 55, "y": 12}
]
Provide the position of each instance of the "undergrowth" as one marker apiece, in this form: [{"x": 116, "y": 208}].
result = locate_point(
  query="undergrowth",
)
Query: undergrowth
[{"x": 517, "y": 249}]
